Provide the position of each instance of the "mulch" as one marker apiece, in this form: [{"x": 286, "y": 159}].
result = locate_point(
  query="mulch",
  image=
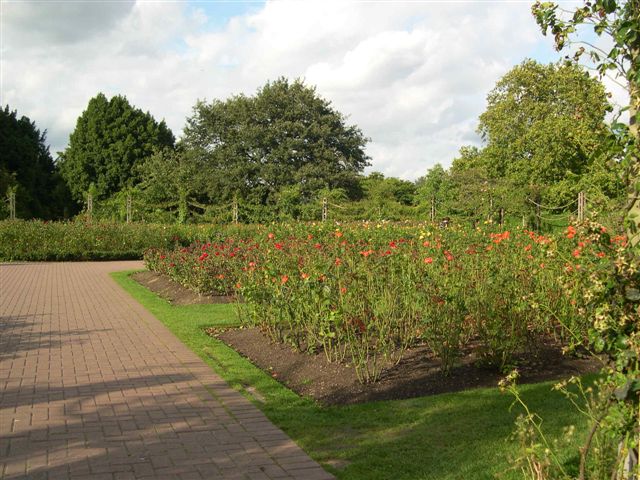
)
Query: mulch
[
  {"x": 417, "y": 374},
  {"x": 175, "y": 293}
]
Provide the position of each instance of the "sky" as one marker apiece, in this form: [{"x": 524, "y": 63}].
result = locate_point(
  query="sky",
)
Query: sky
[{"x": 413, "y": 75}]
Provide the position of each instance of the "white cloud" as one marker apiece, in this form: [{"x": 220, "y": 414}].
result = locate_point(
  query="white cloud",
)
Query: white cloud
[{"x": 412, "y": 75}]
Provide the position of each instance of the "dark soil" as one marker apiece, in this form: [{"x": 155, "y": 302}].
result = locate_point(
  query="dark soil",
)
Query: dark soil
[
  {"x": 175, "y": 293},
  {"x": 415, "y": 376}
]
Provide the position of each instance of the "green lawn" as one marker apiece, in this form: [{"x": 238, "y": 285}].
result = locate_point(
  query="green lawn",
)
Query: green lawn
[{"x": 452, "y": 436}]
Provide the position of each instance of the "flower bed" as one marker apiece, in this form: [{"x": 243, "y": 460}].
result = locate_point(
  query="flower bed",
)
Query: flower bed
[{"x": 363, "y": 294}]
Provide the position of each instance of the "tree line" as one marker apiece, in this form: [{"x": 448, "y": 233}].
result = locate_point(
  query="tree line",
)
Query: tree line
[{"x": 278, "y": 154}]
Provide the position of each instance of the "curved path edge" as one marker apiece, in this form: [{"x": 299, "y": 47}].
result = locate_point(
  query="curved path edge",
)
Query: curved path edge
[{"x": 92, "y": 385}]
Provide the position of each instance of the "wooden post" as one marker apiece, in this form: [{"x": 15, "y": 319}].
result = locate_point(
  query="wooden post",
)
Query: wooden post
[
  {"x": 433, "y": 209},
  {"x": 501, "y": 217},
  {"x": 538, "y": 217},
  {"x": 129, "y": 209},
  {"x": 235, "y": 211},
  {"x": 12, "y": 205},
  {"x": 581, "y": 206},
  {"x": 89, "y": 206},
  {"x": 325, "y": 209}
]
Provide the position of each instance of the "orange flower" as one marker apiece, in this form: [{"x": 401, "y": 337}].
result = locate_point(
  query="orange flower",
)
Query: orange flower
[
  {"x": 284, "y": 279},
  {"x": 304, "y": 276},
  {"x": 571, "y": 232}
]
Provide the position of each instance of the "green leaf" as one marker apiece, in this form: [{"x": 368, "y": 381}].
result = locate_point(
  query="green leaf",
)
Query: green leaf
[{"x": 609, "y": 6}]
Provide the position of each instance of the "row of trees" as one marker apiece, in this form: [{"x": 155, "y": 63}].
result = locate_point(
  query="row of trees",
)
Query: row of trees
[
  {"x": 278, "y": 153},
  {"x": 542, "y": 132}
]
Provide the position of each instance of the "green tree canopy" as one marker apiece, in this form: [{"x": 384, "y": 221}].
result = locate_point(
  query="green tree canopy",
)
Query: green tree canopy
[
  {"x": 541, "y": 124},
  {"x": 619, "y": 22},
  {"x": 109, "y": 144},
  {"x": 284, "y": 135},
  {"x": 25, "y": 163}
]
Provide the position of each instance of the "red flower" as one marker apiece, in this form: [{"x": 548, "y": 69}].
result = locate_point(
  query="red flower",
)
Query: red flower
[
  {"x": 576, "y": 253},
  {"x": 270, "y": 236},
  {"x": 317, "y": 246},
  {"x": 284, "y": 279},
  {"x": 571, "y": 232},
  {"x": 393, "y": 244},
  {"x": 343, "y": 290},
  {"x": 447, "y": 255},
  {"x": 203, "y": 256},
  {"x": 428, "y": 260},
  {"x": 304, "y": 276},
  {"x": 279, "y": 246},
  {"x": 366, "y": 253},
  {"x": 601, "y": 254},
  {"x": 338, "y": 262}
]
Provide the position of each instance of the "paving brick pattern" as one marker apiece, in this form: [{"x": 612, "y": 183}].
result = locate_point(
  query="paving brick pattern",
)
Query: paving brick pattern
[{"x": 93, "y": 386}]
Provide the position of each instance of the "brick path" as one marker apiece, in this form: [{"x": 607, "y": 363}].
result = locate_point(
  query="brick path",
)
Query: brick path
[{"x": 93, "y": 386}]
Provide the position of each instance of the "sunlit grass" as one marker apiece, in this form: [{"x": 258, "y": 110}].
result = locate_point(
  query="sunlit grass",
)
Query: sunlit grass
[{"x": 463, "y": 435}]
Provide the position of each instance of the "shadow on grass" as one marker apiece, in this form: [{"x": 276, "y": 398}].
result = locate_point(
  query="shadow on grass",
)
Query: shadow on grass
[{"x": 450, "y": 436}]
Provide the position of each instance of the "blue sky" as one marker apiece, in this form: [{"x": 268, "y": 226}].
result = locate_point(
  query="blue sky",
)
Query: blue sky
[
  {"x": 219, "y": 12},
  {"x": 413, "y": 75}
]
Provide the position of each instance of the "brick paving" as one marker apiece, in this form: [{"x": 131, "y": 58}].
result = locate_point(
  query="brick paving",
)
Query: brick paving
[{"x": 93, "y": 386}]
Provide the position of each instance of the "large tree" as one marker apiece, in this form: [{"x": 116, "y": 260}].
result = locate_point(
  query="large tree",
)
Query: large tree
[
  {"x": 541, "y": 124},
  {"x": 27, "y": 166},
  {"x": 286, "y": 134},
  {"x": 619, "y": 58},
  {"x": 109, "y": 144}
]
